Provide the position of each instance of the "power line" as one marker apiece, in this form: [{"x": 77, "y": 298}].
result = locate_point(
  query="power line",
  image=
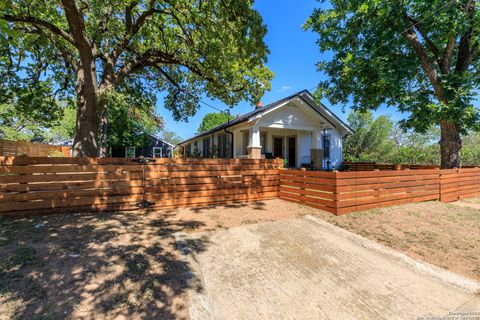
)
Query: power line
[{"x": 404, "y": 31}]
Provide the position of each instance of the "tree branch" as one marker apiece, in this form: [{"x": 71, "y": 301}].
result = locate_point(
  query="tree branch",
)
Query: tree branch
[
  {"x": 76, "y": 25},
  {"x": 464, "y": 56},
  {"x": 132, "y": 28},
  {"x": 67, "y": 56},
  {"x": 39, "y": 23},
  {"x": 427, "y": 65},
  {"x": 447, "y": 56},
  {"x": 428, "y": 41}
]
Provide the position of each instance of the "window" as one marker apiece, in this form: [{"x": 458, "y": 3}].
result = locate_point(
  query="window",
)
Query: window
[
  {"x": 206, "y": 147},
  {"x": 130, "y": 152},
  {"x": 246, "y": 141},
  {"x": 263, "y": 141},
  {"x": 223, "y": 147},
  {"x": 326, "y": 146},
  {"x": 188, "y": 150},
  {"x": 157, "y": 152},
  {"x": 196, "y": 152}
]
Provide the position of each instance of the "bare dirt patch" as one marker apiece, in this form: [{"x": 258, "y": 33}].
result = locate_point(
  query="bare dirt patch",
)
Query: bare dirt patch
[
  {"x": 442, "y": 234},
  {"x": 111, "y": 265},
  {"x": 472, "y": 200}
]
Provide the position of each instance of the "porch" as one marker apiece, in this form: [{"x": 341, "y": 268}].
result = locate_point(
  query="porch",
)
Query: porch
[{"x": 299, "y": 148}]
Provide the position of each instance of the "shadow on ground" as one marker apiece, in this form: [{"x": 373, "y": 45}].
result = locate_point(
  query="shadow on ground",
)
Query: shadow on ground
[{"x": 94, "y": 266}]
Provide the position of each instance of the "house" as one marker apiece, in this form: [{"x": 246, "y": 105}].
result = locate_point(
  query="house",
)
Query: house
[
  {"x": 150, "y": 147},
  {"x": 295, "y": 128}
]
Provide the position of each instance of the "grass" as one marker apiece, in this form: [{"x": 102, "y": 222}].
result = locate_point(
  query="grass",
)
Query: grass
[{"x": 446, "y": 235}]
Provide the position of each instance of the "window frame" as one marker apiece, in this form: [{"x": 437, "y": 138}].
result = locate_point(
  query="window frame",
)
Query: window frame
[
  {"x": 246, "y": 141},
  {"x": 206, "y": 147},
  {"x": 223, "y": 145},
  {"x": 157, "y": 148},
  {"x": 327, "y": 145},
  {"x": 127, "y": 149},
  {"x": 264, "y": 137}
]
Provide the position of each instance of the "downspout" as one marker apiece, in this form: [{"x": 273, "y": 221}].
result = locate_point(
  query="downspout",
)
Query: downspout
[{"x": 231, "y": 140}]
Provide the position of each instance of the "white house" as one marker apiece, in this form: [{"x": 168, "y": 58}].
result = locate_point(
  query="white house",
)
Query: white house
[{"x": 295, "y": 128}]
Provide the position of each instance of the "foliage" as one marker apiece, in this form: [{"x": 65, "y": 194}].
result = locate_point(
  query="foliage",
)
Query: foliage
[
  {"x": 471, "y": 149},
  {"x": 211, "y": 120},
  {"x": 65, "y": 129},
  {"x": 86, "y": 49},
  {"x": 415, "y": 148},
  {"x": 420, "y": 56},
  {"x": 371, "y": 138},
  {"x": 170, "y": 136},
  {"x": 130, "y": 118},
  {"x": 17, "y": 123},
  {"x": 125, "y": 126},
  {"x": 382, "y": 140}
]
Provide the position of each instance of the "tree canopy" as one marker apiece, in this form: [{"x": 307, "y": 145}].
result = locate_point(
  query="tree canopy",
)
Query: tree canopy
[
  {"x": 88, "y": 49},
  {"x": 211, "y": 120},
  {"x": 383, "y": 140},
  {"x": 420, "y": 56}
]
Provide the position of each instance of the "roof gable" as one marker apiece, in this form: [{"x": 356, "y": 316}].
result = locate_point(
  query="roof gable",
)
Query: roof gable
[{"x": 304, "y": 95}]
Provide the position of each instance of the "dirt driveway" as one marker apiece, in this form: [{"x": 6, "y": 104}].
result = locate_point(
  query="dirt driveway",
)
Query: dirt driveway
[
  {"x": 126, "y": 265},
  {"x": 303, "y": 269}
]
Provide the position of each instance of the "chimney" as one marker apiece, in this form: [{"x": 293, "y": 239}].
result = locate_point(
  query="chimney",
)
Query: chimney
[{"x": 259, "y": 105}]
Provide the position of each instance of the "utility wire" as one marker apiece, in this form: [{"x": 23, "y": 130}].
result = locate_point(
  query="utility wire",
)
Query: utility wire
[{"x": 404, "y": 31}]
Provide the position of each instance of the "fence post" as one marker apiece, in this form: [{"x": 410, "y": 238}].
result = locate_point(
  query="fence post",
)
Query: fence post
[{"x": 335, "y": 193}]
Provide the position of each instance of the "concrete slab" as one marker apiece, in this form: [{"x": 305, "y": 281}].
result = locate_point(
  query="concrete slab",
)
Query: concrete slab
[{"x": 299, "y": 269}]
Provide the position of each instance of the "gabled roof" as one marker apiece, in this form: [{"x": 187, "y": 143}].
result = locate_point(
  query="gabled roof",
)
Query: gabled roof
[
  {"x": 305, "y": 95},
  {"x": 157, "y": 138}
]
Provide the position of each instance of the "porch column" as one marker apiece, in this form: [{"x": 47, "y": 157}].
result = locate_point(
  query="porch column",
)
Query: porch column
[
  {"x": 316, "y": 150},
  {"x": 254, "y": 149}
]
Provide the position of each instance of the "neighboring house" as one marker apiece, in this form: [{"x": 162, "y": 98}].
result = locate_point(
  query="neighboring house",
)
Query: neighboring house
[
  {"x": 295, "y": 128},
  {"x": 152, "y": 147}
]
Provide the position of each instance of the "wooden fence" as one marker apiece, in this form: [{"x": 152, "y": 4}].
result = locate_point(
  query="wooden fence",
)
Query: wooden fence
[
  {"x": 344, "y": 192},
  {"x": 39, "y": 185},
  {"x": 23, "y": 148},
  {"x": 458, "y": 184},
  {"x": 32, "y": 185},
  {"x": 370, "y": 166}
]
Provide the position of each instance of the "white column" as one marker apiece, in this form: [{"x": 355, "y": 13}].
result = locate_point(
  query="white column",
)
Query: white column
[
  {"x": 255, "y": 148},
  {"x": 317, "y": 139},
  {"x": 255, "y": 137}
]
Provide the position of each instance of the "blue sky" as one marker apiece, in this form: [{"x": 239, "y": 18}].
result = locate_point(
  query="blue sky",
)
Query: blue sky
[{"x": 293, "y": 55}]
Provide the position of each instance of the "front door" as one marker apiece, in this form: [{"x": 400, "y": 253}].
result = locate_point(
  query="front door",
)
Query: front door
[
  {"x": 292, "y": 151},
  {"x": 277, "y": 147}
]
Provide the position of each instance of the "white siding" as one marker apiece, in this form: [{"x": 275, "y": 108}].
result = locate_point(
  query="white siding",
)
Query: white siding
[
  {"x": 303, "y": 145},
  {"x": 336, "y": 148}
]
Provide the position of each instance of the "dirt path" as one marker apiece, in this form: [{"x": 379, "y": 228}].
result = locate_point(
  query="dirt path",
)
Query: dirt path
[
  {"x": 298, "y": 269},
  {"x": 109, "y": 266}
]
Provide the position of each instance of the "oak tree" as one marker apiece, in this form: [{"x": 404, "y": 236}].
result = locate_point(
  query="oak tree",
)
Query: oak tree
[
  {"x": 418, "y": 55},
  {"x": 86, "y": 49}
]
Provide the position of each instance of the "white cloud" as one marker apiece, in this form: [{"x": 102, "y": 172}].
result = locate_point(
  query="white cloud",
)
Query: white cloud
[{"x": 285, "y": 88}]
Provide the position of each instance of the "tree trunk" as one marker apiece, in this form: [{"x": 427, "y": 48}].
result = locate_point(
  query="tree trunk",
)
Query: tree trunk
[
  {"x": 85, "y": 143},
  {"x": 103, "y": 133},
  {"x": 450, "y": 145}
]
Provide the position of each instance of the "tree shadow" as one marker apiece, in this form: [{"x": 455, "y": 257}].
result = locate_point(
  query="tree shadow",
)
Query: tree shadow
[
  {"x": 95, "y": 266},
  {"x": 254, "y": 205}
]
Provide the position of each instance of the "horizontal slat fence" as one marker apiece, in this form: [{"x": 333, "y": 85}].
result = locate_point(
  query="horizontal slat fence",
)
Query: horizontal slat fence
[
  {"x": 24, "y": 148},
  {"x": 357, "y": 191},
  {"x": 31, "y": 185},
  {"x": 371, "y": 166},
  {"x": 345, "y": 192},
  {"x": 37, "y": 185},
  {"x": 313, "y": 188},
  {"x": 458, "y": 184}
]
